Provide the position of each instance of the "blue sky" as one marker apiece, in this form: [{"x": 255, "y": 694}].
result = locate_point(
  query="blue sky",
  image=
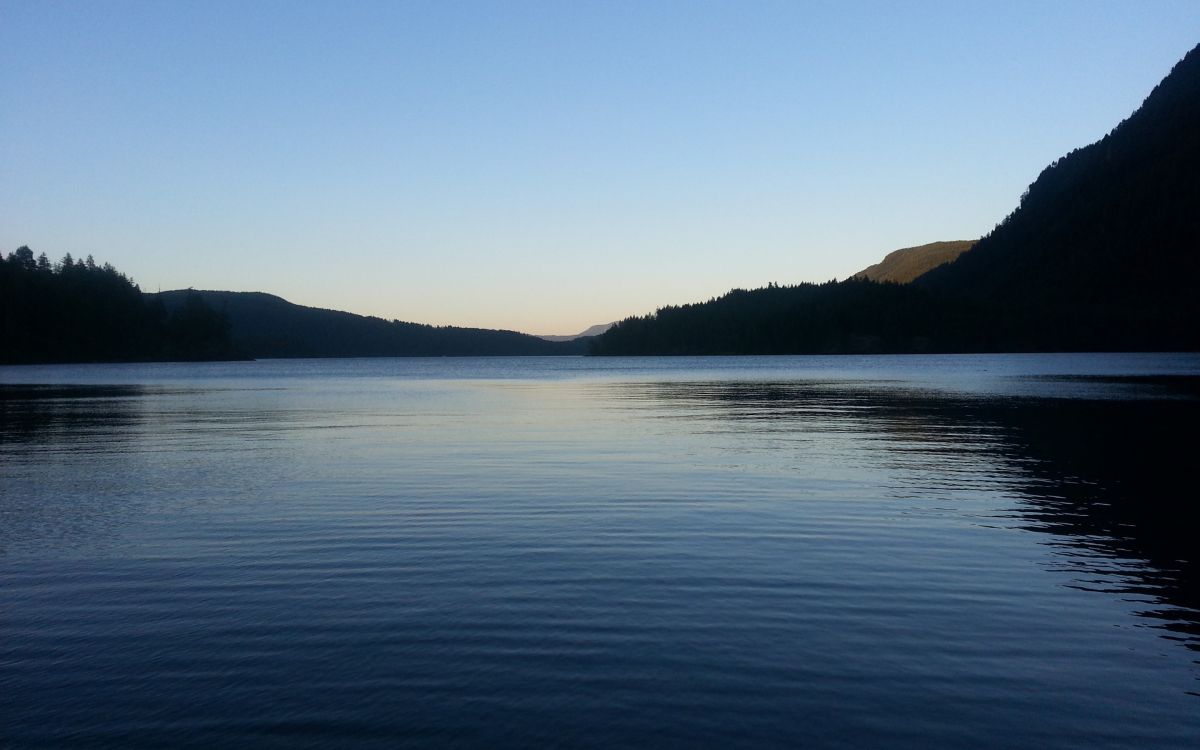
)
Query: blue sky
[{"x": 543, "y": 166}]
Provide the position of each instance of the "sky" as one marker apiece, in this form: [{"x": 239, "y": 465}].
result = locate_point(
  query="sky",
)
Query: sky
[{"x": 543, "y": 166}]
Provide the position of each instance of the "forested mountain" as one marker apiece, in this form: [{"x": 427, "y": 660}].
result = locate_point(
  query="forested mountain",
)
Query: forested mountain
[
  {"x": 1102, "y": 253},
  {"x": 83, "y": 312},
  {"x": 264, "y": 325},
  {"x": 79, "y": 311},
  {"x": 906, "y": 264},
  {"x": 1108, "y": 235},
  {"x": 852, "y": 316}
]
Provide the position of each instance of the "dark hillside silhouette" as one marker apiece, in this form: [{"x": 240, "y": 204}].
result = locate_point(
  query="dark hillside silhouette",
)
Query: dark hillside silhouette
[
  {"x": 1102, "y": 253},
  {"x": 84, "y": 312},
  {"x": 852, "y": 316},
  {"x": 264, "y": 325},
  {"x": 79, "y": 311},
  {"x": 1107, "y": 239}
]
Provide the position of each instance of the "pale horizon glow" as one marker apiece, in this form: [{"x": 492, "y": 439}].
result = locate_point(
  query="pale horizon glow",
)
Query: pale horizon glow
[{"x": 543, "y": 167}]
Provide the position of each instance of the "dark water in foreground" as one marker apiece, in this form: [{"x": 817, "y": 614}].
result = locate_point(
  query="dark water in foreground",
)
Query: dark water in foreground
[{"x": 832, "y": 552}]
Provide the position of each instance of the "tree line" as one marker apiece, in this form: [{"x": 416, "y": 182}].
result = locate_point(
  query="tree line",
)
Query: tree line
[
  {"x": 82, "y": 311},
  {"x": 860, "y": 316},
  {"x": 852, "y": 316}
]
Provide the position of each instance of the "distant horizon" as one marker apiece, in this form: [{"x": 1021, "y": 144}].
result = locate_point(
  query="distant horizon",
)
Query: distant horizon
[{"x": 540, "y": 168}]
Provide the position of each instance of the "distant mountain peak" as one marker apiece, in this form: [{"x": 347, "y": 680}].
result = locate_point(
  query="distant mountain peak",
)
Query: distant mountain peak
[
  {"x": 595, "y": 330},
  {"x": 906, "y": 264}
]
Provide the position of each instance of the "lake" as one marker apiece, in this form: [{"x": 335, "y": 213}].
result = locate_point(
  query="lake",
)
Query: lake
[{"x": 905, "y": 551}]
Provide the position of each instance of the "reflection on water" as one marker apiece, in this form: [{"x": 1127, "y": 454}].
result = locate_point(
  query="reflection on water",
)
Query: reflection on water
[
  {"x": 1110, "y": 479},
  {"x": 67, "y": 412},
  {"x": 983, "y": 552}
]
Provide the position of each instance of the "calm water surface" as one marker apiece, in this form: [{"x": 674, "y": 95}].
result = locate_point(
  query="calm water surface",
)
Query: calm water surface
[{"x": 973, "y": 551}]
